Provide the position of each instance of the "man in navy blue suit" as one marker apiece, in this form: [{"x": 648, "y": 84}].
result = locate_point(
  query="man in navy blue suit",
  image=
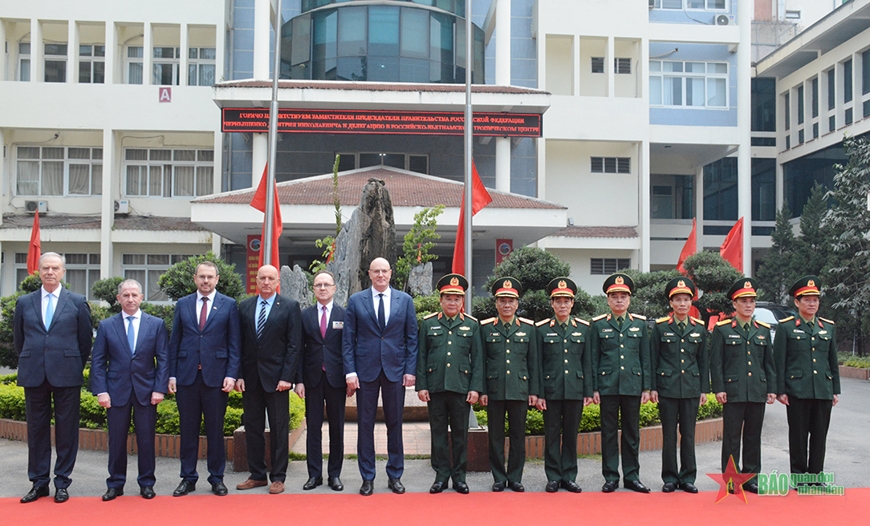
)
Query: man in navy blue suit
[
  {"x": 52, "y": 335},
  {"x": 204, "y": 356},
  {"x": 130, "y": 375},
  {"x": 320, "y": 380},
  {"x": 379, "y": 348}
]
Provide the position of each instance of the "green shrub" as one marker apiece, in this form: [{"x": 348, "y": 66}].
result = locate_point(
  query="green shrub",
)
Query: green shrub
[
  {"x": 297, "y": 411},
  {"x": 93, "y": 416},
  {"x": 425, "y": 305},
  {"x": 177, "y": 281},
  {"x": 861, "y": 362},
  {"x": 711, "y": 409},
  {"x": 534, "y": 422},
  {"x": 591, "y": 420},
  {"x": 167, "y": 418},
  {"x": 235, "y": 400},
  {"x": 12, "y": 401},
  {"x": 649, "y": 415}
]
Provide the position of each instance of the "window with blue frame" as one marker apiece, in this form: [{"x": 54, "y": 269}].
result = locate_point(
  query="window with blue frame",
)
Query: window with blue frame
[{"x": 688, "y": 84}]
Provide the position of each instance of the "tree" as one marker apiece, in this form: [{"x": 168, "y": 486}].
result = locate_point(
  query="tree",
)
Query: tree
[
  {"x": 328, "y": 243},
  {"x": 107, "y": 290},
  {"x": 777, "y": 272},
  {"x": 177, "y": 281},
  {"x": 813, "y": 245},
  {"x": 649, "y": 297},
  {"x": 847, "y": 274},
  {"x": 419, "y": 240},
  {"x": 713, "y": 276}
]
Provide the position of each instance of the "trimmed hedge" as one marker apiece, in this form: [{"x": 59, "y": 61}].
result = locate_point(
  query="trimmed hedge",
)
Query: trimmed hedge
[{"x": 591, "y": 420}]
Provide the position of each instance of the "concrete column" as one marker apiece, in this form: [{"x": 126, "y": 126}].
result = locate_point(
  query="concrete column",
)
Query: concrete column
[
  {"x": 541, "y": 146},
  {"x": 698, "y": 187},
  {"x": 609, "y": 53},
  {"x": 111, "y": 41},
  {"x": 643, "y": 208},
  {"x": 183, "y": 47},
  {"x": 37, "y": 52},
  {"x": 259, "y": 157},
  {"x": 503, "y": 43},
  {"x": 4, "y": 74},
  {"x": 111, "y": 190},
  {"x": 72, "y": 52},
  {"x": 262, "y": 39},
  {"x": 744, "y": 125},
  {"x": 147, "y": 54},
  {"x": 503, "y": 164}
]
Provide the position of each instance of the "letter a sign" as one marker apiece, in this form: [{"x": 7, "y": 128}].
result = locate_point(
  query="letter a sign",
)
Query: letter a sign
[{"x": 165, "y": 94}]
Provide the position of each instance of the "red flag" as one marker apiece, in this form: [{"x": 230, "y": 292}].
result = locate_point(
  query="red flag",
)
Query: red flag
[
  {"x": 259, "y": 202},
  {"x": 689, "y": 248},
  {"x": 732, "y": 248},
  {"x": 34, "y": 251},
  {"x": 479, "y": 199}
]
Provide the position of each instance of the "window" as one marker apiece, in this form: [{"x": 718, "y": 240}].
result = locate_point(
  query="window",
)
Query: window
[
  {"x": 82, "y": 271},
  {"x": 832, "y": 89},
  {"x": 92, "y": 64},
  {"x": 58, "y": 170},
  {"x": 168, "y": 173},
  {"x": 607, "y": 266},
  {"x": 200, "y": 66},
  {"x": 800, "y": 105},
  {"x": 847, "y": 81},
  {"x": 696, "y": 84},
  {"x": 611, "y": 165},
  {"x": 55, "y": 62},
  {"x": 164, "y": 69},
  {"x": 415, "y": 163},
  {"x": 597, "y": 64},
  {"x": 814, "y": 97},
  {"x": 786, "y": 102},
  {"x": 622, "y": 66},
  {"x": 865, "y": 72},
  {"x": 792, "y": 14},
  {"x": 763, "y": 105},
  {"x": 134, "y": 65},
  {"x": 24, "y": 62},
  {"x": 147, "y": 269},
  {"x": 717, "y": 5},
  {"x": 720, "y": 190}
]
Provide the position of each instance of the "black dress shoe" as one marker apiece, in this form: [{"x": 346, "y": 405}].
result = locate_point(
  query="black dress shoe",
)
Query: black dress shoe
[
  {"x": 688, "y": 487},
  {"x": 62, "y": 495},
  {"x": 219, "y": 489},
  {"x": 636, "y": 485},
  {"x": 571, "y": 486},
  {"x": 609, "y": 486},
  {"x": 669, "y": 487},
  {"x": 552, "y": 486},
  {"x": 498, "y": 486},
  {"x": 111, "y": 493},
  {"x": 312, "y": 483},
  {"x": 437, "y": 487},
  {"x": 147, "y": 492},
  {"x": 751, "y": 487},
  {"x": 184, "y": 487},
  {"x": 396, "y": 486},
  {"x": 335, "y": 484},
  {"x": 517, "y": 486},
  {"x": 367, "y": 488},
  {"x": 460, "y": 487},
  {"x": 34, "y": 493}
]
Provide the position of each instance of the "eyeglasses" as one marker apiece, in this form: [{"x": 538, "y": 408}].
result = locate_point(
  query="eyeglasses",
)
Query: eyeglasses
[
  {"x": 323, "y": 285},
  {"x": 378, "y": 271}
]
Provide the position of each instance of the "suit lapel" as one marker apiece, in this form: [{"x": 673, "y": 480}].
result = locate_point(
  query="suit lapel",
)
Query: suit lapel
[
  {"x": 36, "y": 301},
  {"x": 369, "y": 306},
  {"x": 121, "y": 331},
  {"x": 62, "y": 297}
]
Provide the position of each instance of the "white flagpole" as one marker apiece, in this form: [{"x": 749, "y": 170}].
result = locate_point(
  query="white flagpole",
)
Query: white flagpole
[
  {"x": 469, "y": 136},
  {"x": 266, "y": 244}
]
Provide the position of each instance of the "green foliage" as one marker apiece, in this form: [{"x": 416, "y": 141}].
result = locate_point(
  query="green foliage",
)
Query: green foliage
[
  {"x": 165, "y": 312},
  {"x": 107, "y": 290},
  {"x": 167, "y": 418},
  {"x": 649, "y": 297},
  {"x": 297, "y": 411},
  {"x": 8, "y": 356},
  {"x": 591, "y": 419},
  {"x": 777, "y": 272},
  {"x": 12, "y": 402},
  {"x": 419, "y": 240},
  {"x": 32, "y": 283},
  {"x": 813, "y": 245},
  {"x": 177, "y": 281},
  {"x": 93, "y": 416},
  {"x": 425, "y": 305},
  {"x": 714, "y": 276},
  {"x": 710, "y": 409},
  {"x": 861, "y": 362},
  {"x": 232, "y": 421},
  {"x": 328, "y": 245},
  {"x": 534, "y": 422},
  {"x": 649, "y": 415}
]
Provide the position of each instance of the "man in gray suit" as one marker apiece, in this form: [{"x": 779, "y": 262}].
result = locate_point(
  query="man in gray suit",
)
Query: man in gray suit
[{"x": 52, "y": 333}]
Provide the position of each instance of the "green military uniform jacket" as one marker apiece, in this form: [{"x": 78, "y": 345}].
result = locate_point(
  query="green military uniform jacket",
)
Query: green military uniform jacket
[
  {"x": 680, "y": 361},
  {"x": 806, "y": 358},
  {"x": 566, "y": 362},
  {"x": 620, "y": 357},
  {"x": 512, "y": 361},
  {"x": 449, "y": 354},
  {"x": 740, "y": 366}
]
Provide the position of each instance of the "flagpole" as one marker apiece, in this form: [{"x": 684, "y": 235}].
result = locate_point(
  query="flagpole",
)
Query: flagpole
[
  {"x": 266, "y": 243},
  {"x": 469, "y": 134}
]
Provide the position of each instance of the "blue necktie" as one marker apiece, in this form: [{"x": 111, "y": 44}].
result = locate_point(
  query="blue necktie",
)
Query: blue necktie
[
  {"x": 49, "y": 311},
  {"x": 382, "y": 318},
  {"x": 131, "y": 335},
  {"x": 261, "y": 319}
]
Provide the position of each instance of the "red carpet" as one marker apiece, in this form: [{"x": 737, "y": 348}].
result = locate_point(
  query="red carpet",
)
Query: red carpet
[{"x": 422, "y": 509}]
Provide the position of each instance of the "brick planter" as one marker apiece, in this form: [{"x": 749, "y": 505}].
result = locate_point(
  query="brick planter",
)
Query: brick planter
[{"x": 854, "y": 372}]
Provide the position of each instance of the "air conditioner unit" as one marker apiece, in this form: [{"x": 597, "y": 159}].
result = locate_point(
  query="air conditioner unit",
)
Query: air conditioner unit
[
  {"x": 724, "y": 20},
  {"x": 122, "y": 206},
  {"x": 36, "y": 206}
]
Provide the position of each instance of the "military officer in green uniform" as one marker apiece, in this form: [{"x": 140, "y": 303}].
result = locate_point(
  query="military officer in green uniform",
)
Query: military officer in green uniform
[
  {"x": 566, "y": 366},
  {"x": 619, "y": 344},
  {"x": 808, "y": 378},
  {"x": 680, "y": 381},
  {"x": 512, "y": 382},
  {"x": 449, "y": 378},
  {"x": 743, "y": 377}
]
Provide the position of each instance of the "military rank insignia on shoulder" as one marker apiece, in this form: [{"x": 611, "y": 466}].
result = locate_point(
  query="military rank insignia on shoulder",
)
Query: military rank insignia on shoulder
[
  {"x": 662, "y": 320},
  {"x": 581, "y": 320},
  {"x": 723, "y": 322},
  {"x": 526, "y": 320},
  {"x": 488, "y": 320},
  {"x": 786, "y": 319},
  {"x": 697, "y": 320},
  {"x": 542, "y": 322},
  {"x": 826, "y": 320},
  {"x": 600, "y": 316},
  {"x": 765, "y": 325},
  {"x": 426, "y": 317},
  {"x": 472, "y": 318},
  {"x": 638, "y": 316}
]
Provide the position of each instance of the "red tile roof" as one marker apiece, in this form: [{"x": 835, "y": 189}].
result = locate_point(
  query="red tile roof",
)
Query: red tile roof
[
  {"x": 597, "y": 231},
  {"x": 406, "y": 189},
  {"x": 131, "y": 222}
]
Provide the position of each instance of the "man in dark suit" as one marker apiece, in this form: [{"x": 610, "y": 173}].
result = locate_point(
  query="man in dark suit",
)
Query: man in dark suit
[
  {"x": 512, "y": 374},
  {"x": 743, "y": 376},
  {"x": 130, "y": 375},
  {"x": 449, "y": 378},
  {"x": 680, "y": 382},
  {"x": 204, "y": 355},
  {"x": 566, "y": 367},
  {"x": 271, "y": 341},
  {"x": 379, "y": 348},
  {"x": 320, "y": 380},
  {"x": 808, "y": 377},
  {"x": 621, "y": 365},
  {"x": 52, "y": 334}
]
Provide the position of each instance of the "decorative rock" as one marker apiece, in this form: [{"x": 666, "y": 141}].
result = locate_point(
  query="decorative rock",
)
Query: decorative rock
[
  {"x": 420, "y": 280},
  {"x": 294, "y": 285}
]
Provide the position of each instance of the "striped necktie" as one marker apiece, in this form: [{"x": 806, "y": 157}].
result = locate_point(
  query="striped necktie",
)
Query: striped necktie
[{"x": 261, "y": 319}]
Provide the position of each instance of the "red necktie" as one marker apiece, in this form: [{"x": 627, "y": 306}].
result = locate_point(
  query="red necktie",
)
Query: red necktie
[
  {"x": 203, "y": 313},
  {"x": 323, "y": 323}
]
